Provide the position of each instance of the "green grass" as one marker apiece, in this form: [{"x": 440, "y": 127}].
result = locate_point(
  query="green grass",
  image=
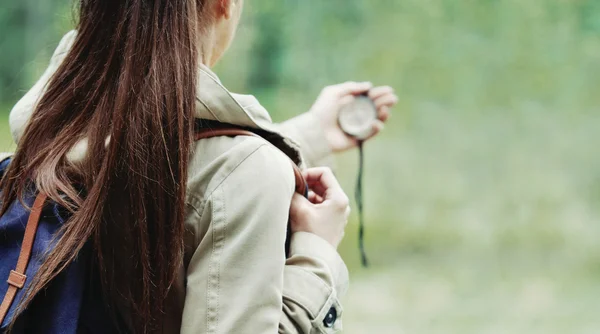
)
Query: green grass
[{"x": 480, "y": 224}]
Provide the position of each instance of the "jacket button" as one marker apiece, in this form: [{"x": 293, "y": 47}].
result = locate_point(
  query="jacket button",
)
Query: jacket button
[{"x": 330, "y": 318}]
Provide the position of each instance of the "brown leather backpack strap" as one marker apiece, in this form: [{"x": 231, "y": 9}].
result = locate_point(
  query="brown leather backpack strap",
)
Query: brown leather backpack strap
[
  {"x": 301, "y": 186},
  {"x": 228, "y": 132},
  {"x": 16, "y": 278}
]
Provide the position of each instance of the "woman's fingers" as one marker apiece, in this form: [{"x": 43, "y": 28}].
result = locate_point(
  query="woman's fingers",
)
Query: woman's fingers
[
  {"x": 300, "y": 207},
  {"x": 314, "y": 198},
  {"x": 383, "y": 113},
  {"x": 324, "y": 217},
  {"x": 352, "y": 88},
  {"x": 322, "y": 181},
  {"x": 377, "y": 128},
  {"x": 346, "y": 88},
  {"x": 384, "y": 98},
  {"x": 323, "y": 175},
  {"x": 387, "y": 100},
  {"x": 380, "y": 91},
  {"x": 317, "y": 188},
  {"x": 346, "y": 100},
  {"x": 383, "y": 104}
]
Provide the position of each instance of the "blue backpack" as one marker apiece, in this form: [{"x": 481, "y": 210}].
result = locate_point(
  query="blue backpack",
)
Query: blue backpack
[{"x": 72, "y": 302}]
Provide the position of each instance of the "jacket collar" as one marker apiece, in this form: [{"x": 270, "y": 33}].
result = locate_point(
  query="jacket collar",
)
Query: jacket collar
[{"x": 213, "y": 102}]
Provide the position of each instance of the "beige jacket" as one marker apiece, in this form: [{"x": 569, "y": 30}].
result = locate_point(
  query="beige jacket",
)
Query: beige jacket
[{"x": 235, "y": 277}]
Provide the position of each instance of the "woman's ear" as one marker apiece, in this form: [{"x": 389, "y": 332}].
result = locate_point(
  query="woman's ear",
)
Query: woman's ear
[{"x": 225, "y": 8}]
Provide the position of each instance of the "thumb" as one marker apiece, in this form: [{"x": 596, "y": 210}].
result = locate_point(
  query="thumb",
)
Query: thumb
[
  {"x": 346, "y": 100},
  {"x": 300, "y": 207},
  {"x": 354, "y": 88}
]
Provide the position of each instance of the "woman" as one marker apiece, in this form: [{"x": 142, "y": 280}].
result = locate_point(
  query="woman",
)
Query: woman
[{"x": 188, "y": 236}]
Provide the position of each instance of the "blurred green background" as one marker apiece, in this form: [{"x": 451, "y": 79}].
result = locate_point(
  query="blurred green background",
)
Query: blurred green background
[{"x": 483, "y": 193}]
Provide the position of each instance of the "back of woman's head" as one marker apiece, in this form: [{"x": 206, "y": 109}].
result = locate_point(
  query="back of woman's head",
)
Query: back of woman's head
[{"x": 126, "y": 91}]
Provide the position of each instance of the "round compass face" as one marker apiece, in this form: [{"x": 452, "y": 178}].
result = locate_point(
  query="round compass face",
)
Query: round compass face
[{"x": 357, "y": 118}]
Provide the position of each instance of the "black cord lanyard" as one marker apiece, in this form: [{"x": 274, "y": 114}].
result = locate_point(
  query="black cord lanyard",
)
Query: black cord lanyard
[{"x": 358, "y": 193}]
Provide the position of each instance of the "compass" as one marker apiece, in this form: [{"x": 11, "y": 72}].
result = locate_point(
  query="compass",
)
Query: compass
[{"x": 357, "y": 118}]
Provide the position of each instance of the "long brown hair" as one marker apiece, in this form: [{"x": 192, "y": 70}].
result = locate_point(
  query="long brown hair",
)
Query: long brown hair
[{"x": 127, "y": 90}]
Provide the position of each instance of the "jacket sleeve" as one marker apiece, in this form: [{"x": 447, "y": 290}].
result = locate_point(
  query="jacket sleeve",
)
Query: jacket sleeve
[
  {"x": 238, "y": 280},
  {"x": 307, "y": 131}
]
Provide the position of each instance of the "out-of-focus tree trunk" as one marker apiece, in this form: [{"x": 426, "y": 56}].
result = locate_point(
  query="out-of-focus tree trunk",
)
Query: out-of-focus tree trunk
[
  {"x": 268, "y": 47},
  {"x": 39, "y": 30},
  {"x": 12, "y": 22},
  {"x": 27, "y": 27}
]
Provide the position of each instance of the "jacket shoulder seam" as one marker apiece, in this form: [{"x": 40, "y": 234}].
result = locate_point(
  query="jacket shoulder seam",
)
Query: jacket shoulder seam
[{"x": 208, "y": 195}]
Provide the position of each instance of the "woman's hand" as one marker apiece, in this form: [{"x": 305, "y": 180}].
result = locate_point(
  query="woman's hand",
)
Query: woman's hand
[
  {"x": 333, "y": 98},
  {"x": 325, "y": 212}
]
